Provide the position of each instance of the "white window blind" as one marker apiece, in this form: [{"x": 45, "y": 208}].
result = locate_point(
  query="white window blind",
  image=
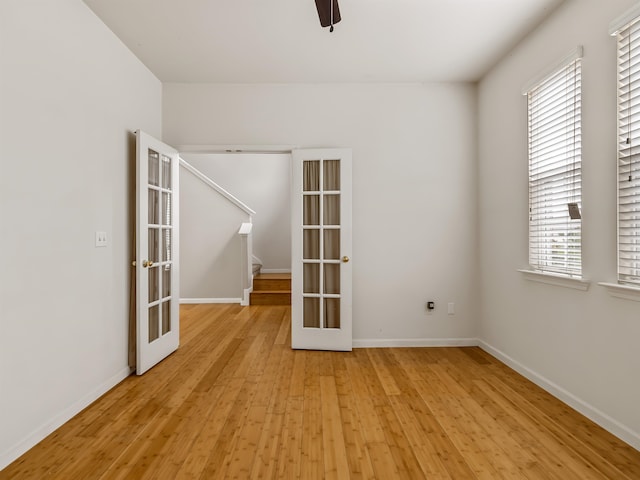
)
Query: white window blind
[
  {"x": 554, "y": 117},
  {"x": 629, "y": 153}
]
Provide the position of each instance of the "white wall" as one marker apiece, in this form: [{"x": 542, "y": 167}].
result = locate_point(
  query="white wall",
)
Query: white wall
[
  {"x": 263, "y": 182},
  {"x": 413, "y": 191},
  {"x": 70, "y": 97},
  {"x": 581, "y": 345},
  {"x": 210, "y": 262}
]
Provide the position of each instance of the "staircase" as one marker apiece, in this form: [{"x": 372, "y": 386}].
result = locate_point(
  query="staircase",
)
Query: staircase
[{"x": 271, "y": 289}]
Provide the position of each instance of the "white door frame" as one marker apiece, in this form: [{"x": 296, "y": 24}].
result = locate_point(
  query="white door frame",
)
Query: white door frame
[{"x": 271, "y": 149}]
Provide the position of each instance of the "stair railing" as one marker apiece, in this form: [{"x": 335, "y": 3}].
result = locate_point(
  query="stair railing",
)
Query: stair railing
[
  {"x": 198, "y": 174},
  {"x": 246, "y": 242},
  {"x": 246, "y": 261}
]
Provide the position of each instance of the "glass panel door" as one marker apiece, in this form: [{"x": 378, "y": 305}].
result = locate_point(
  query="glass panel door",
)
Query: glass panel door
[
  {"x": 156, "y": 252},
  {"x": 321, "y": 272}
]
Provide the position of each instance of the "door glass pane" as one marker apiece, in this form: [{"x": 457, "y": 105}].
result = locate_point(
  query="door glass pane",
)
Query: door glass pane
[
  {"x": 331, "y": 175},
  {"x": 331, "y": 313},
  {"x": 331, "y": 210},
  {"x": 154, "y": 286},
  {"x": 166, "y": 281},
  {"x": 154, "y": 330},
  {"x": 166, "y": 208},
  {"x": 154, "y": 211},
  {"x": 166, "y": 244},
  {"x": 331, "y": 278},
  {"x": 311, "y": 244},
  {"x": 311, "y": 313},
  {"x": 166, "y": 172},
  {"x": 311, "y": 275},
  {"x": 311, "y": 176},
  {"x": 166, "y": 317},
  {"x": 154, "y": 168},
  {"x": 311, "y": 207},
  {"x": 153, "y": 245},
  {"x": 332, "y": 244}
]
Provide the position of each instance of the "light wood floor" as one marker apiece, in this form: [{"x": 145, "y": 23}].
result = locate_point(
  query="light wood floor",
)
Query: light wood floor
[{"x": 236, "y": 402}]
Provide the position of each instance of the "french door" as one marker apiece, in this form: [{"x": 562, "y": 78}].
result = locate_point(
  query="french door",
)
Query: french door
[
  {"x": 157, "y": 287},
  {"x": 321, "y": 249}
]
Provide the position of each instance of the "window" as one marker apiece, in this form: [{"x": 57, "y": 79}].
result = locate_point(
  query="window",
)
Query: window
[
  {"x": 554, "y": 112},
  {"x": 629, "y": 153}
]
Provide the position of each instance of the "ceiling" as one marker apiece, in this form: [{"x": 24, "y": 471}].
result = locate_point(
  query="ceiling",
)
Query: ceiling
[{"x": 281, "y": 41}]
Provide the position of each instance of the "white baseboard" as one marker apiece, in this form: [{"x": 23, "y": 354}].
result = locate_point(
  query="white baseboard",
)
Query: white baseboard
[
  {"x": 414, "y": 342},
  {"x": 275, "y": 270},
  {"x": 209, "y": 300},
  {"x": 605, "y": 421},
  {"x": 56, "y": 422}
]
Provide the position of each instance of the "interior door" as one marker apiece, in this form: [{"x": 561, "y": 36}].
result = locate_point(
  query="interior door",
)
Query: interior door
[
  {"x": 321, "y": 250},
  {"x": 157, "y": 287}
]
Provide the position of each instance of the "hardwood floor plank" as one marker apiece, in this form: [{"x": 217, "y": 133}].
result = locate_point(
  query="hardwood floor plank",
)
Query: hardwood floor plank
[
  {"x": 362, "y": 380},
  {"x": 243, "y": 456},
  {"x": 312, "y": 455},
  {"x": 566, "y": 464},
  {"x": 281, "y": 388},
  {"x": 371, "y": 428},
  {"x": 289, "y": 458},
  {"x": 265, "y": 464},
  {"x": 222, "y": 451},
  {"x": 335, "y": 453},
  {"x": 414, "y": 363},
  {"x": 601, "y": 442},
  {"x": 360, "y": 466},
  {"x": 180, "y": 442},
  {"x": 236, "y": 402},
  {"x": 205, "y": 442},
  {"x": 577, "y": 449},
  {"x": 386, "y": 377},
  {"x": 296, "y": 386},
  {"x": 284, "y": 332},
  {"x": 426, "y": 453},
  {"x": 522, "y": 451},
  {"x": 460, "y": 407}
]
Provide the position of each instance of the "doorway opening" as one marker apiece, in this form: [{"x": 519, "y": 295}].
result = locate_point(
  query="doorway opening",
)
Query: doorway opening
[{"x": 261, "y": 181}]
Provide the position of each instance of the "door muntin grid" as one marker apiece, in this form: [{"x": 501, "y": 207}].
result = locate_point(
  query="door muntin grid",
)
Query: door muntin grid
[
  {"x": 321, "y": 244},
  {"x": 160, "y": 247}
]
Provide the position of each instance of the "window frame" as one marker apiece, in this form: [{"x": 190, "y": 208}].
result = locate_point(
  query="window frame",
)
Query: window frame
[
  {"x": 628, "y": 150},
  {"x": 554, "y": 167}
]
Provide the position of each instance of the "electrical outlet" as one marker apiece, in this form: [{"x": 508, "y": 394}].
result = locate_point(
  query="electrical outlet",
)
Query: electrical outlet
[
  {"x": 451, "y": 308},
  {"x": 429, "y": 307},
  {"x": 101, "y": 239}
]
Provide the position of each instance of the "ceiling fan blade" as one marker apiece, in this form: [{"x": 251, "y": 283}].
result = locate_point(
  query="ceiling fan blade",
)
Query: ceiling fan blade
[{"x": 324, "y": 12}]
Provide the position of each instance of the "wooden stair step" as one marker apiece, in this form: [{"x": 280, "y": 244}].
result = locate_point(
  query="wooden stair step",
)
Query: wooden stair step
[
  {"x": 272, "y": 282},
  {"x": 271, "y": 289},
  {"x": 264, "y": 284},
  {"x": 270, "y": 297}
]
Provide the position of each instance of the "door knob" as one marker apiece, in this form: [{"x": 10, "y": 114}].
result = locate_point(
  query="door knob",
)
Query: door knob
[
  {"x": 345, "y": 259},
  {"x": 147, "y": 263}
]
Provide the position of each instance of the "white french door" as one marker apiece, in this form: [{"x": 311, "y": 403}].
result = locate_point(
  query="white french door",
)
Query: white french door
[
  {"x": 157, "y": 287},
  {"x": 321, "y": 250}
]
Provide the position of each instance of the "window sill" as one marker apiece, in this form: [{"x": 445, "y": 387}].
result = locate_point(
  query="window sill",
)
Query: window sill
[
  {"x": 557, "y": 280},
  {"x": 618, "y": 290}
]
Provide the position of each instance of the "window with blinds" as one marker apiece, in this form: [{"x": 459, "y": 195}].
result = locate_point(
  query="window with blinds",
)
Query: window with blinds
[
  {"x": 554, "y": 118},
  {"x": 629, "y": 153}
]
